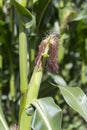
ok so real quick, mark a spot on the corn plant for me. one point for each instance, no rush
(31, 66)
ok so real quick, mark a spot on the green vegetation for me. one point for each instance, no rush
(43, 77)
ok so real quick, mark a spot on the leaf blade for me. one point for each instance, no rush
(27, 19)
(47, 115)
(76, 99)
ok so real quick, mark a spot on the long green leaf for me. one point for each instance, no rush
(3, 123)
(76, 99)
(57, 79)
(23, 2)
(27, 19)
(74, 96)
(41, 8)
(47, 115)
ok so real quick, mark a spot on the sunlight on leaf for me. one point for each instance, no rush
(76, 99)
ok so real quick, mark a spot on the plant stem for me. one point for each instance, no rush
(23, 74)
(12, 82)
(33, 89)
(23, 59)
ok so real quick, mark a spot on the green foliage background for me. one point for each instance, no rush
(66, 18)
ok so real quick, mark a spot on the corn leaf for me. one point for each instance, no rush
(47, 115)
